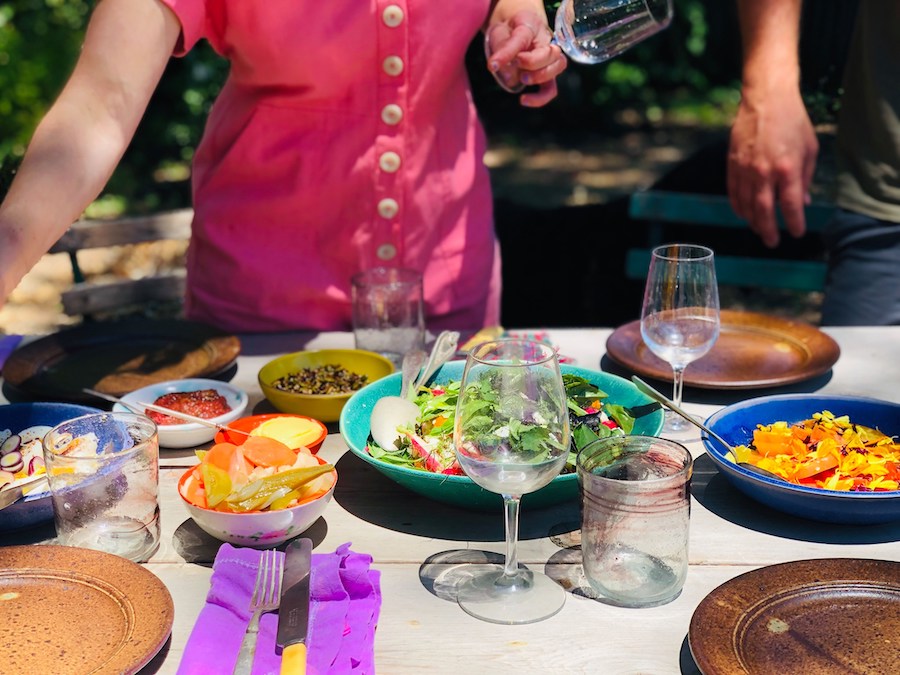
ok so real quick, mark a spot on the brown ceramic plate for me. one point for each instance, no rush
(75, 610)
(839, 615)
(118, 357)
(753, 351)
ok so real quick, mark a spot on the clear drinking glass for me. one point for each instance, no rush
(388, 311)
(591, 31)
(103, 471)
(512, 437)
(680, 314)
(635, 518)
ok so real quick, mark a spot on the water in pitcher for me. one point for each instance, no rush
(593, 31)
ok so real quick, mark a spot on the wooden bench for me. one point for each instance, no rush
(659, 208)
(87, 298)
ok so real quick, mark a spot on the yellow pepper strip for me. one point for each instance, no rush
(257, 492)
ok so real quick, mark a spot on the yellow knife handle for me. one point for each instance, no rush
(293, 659)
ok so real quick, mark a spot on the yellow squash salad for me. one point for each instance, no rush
(825, 452)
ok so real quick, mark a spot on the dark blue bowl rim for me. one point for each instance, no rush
(717, 454)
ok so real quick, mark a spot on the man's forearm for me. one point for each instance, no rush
(770, 33)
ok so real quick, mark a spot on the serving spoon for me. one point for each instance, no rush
(390, 412)
(645, 388)
(10, 495)
(140, 408)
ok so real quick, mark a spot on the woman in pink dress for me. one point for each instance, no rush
(344, 138)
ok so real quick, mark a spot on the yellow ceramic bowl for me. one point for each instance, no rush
(325, 407)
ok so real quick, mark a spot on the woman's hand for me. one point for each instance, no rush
(520, 54)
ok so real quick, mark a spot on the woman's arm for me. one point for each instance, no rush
(82, 137)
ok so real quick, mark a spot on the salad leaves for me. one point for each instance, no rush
(429, 444)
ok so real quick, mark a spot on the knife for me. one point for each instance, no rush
(293, 613)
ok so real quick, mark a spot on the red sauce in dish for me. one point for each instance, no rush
(205, 403)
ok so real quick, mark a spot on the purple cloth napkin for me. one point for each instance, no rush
(345, 598)
(8, 344)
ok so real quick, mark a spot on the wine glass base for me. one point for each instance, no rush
(487, 596)
(679, 429)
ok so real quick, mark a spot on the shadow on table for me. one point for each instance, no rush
(686, 661)
(715, 493)
(442, 572)
(200, 548)
(376, 499)
(157, 662)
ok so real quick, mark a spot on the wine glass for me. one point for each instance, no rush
(590, 31)
(511, 435)
(680, 314)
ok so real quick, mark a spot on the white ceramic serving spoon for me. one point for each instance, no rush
(390, 412)
(13, 493)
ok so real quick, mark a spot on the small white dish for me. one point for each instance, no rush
(189, 434)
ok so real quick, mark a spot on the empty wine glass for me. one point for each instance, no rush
(511, 435)
(590, 31)
(680, 314)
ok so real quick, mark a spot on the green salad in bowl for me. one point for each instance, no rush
(599, 404)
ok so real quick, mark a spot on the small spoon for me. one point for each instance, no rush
(140, 408)
(10, 495)
(656, 396)
(390, 412)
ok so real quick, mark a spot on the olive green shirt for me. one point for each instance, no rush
(868, 137)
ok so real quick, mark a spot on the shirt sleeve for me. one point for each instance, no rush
(192, 16)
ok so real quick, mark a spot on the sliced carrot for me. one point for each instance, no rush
(816, 466)
(263, 451)
(221, 455)
(193, 491)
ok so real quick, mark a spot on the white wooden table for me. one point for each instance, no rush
(417, 543)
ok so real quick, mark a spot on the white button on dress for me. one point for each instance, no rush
(386, 251)
(393, 65)
(391, 114)
(388, 208)
(389, 162)
(392, 16)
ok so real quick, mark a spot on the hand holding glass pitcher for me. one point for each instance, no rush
(588, 31)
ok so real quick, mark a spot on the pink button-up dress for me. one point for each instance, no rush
(344, 138)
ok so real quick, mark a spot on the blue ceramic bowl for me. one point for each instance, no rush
(461, 490)
(736, 423)
(35, 508)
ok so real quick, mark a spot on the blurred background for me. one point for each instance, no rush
(656, 116)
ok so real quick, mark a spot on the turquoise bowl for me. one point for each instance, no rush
(461, 490)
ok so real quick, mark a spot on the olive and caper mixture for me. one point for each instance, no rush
(327, 379)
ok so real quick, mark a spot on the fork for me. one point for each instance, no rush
(266, 597)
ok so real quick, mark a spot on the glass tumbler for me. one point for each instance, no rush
(103, 471)
(388, 312)
(635, 513)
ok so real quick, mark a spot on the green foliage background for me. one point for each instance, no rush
(688, 74)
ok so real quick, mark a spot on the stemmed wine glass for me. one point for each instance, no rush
(680, 314)
(511, 434)
(592, 31)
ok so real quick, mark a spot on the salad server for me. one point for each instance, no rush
(390, 412)
(10, 495)
(140, 408)
(656, 396)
